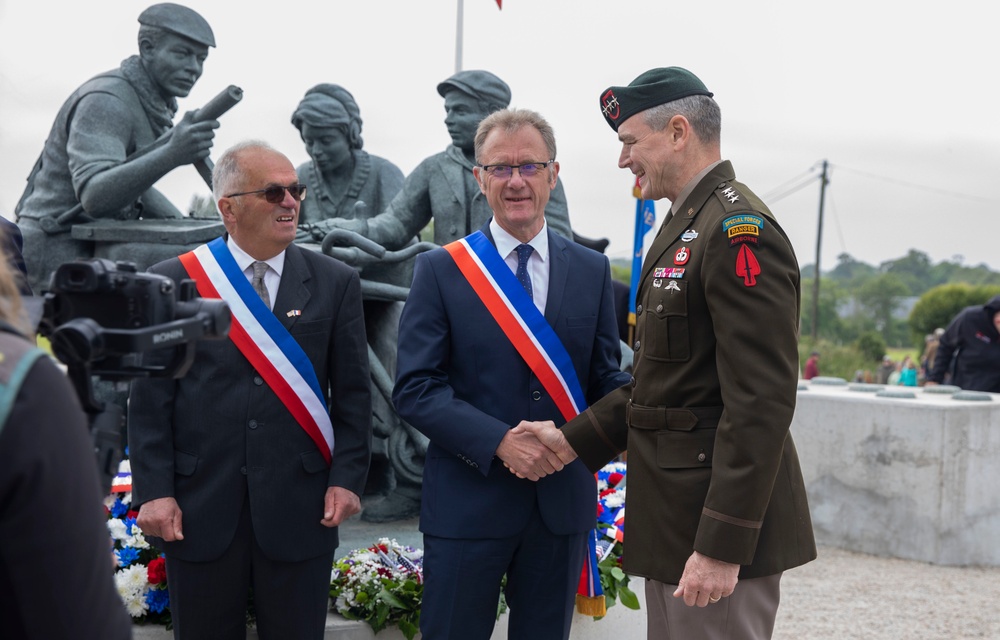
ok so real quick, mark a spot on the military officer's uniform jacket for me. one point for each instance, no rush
(711, 464)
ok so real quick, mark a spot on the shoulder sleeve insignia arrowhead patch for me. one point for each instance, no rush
(747, 266)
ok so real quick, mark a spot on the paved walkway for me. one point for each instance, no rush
(845, 595)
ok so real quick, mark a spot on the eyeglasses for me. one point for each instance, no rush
(504, 171)
(276, 194)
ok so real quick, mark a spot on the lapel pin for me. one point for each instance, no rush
(293, 313)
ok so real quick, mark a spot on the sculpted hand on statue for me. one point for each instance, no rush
(191, 141)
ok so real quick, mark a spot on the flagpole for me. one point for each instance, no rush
(458, 39)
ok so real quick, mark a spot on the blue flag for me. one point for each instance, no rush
(645, 216)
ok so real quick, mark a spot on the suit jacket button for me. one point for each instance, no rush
(243, 470)
(536, 395)
(257, 380)
(702, 457)
(252, 424)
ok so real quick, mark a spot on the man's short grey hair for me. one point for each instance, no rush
(510, 120)
(227, 176)
(701, 111)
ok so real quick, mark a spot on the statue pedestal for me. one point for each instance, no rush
(146, 242)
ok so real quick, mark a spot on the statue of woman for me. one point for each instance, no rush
(340, 173)
(344, 181)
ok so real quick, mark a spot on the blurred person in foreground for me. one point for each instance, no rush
(716, 505)
(245, 467)
(56, 566)
(468, 373)
(969, 349)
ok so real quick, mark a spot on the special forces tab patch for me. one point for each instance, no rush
(743, 228)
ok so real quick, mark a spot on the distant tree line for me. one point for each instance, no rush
(864, 309)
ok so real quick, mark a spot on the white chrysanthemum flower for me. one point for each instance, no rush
(137, 540)
(109, 501)
(132, 584)
(615, 500)
(117, 529)
(125, 466)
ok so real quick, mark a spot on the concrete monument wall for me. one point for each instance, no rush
(914, 478)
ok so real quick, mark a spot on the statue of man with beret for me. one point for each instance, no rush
(717, 506)
(442, 187)
(114, 138)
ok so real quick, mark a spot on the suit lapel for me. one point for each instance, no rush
(558, 273)
(293, 293)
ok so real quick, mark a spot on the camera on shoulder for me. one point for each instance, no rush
(105, 320)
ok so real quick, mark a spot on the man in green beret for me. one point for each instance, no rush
(442, 187)
(717, 508)
(100, 160)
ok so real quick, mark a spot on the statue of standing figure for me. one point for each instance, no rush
(112, 140)
(442, 187)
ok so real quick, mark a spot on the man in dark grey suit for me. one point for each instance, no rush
(246, 466)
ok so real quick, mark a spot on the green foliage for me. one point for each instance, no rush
(937, 307)
(838, 361)
(621, 273)
(614, 581)
(871, 346)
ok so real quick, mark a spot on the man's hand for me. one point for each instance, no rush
(191, 141)
(161, 518)
(706, 580)
(525, 455)
(339, 504)
(550, 435)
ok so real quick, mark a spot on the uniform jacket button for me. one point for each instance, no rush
(252, 424)
(243, 470)
(636, 347)
(257, 380)
(638, 310)
(702, 457)
(536, 395)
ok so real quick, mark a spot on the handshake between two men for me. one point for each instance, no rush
(534, 450)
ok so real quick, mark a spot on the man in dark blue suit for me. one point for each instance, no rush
(481, 349)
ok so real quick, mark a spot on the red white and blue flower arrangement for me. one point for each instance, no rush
(140, 574)
(381, 585)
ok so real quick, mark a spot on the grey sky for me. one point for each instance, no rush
(900, 97)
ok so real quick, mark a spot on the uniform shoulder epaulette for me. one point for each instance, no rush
(731, 199)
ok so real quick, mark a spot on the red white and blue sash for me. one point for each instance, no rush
(263, 340)
(540, 347)
(520, 320)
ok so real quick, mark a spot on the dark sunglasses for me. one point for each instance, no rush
(276, 194)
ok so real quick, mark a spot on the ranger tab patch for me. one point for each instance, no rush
(743, 228)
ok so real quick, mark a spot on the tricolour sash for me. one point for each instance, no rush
(263, 340)
(520, 320)
(540, 347)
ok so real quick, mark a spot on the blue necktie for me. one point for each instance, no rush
(523, 253)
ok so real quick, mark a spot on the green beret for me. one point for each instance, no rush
(179, 20)
(653, 88)
(481, 85)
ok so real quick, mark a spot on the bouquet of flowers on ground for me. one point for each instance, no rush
(382, 585)
(611, 526)
(141, 575)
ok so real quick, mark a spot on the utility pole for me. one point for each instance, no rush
(819, 245)
(458, 38)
